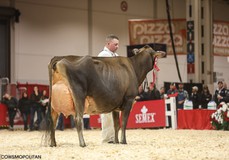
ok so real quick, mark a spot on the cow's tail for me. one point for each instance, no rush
(49, 124)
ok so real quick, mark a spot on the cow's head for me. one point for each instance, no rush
(148, 49)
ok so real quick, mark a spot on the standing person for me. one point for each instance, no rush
(182, 96)
(24, 107)
(195, 97)
(44, 103)
(220, 93)
(109, 50)
(35, 107)
(11, 103)
(206, 97)
(227, 92)
(60, 124)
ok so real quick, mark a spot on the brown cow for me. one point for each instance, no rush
(96, 85)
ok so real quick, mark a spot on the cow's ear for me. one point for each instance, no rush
(135, 51)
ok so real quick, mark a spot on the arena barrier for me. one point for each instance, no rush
(148, 114)
(145, 114)
(171, 112)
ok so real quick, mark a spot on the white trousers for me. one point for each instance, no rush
(108, 132)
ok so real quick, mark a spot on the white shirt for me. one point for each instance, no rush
(107, 53)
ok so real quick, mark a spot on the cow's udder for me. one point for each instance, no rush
(61, 99)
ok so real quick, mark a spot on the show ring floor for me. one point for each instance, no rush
(147, 144)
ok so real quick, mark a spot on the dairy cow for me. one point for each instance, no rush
(95, 85)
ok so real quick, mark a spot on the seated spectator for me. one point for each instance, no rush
(162, 93)
(182, 96)
(154, 92)
(195, 97)
(220, 94)
(172, 92)
(11, 103)
(142, 95)
(24, 107)
(206, 97)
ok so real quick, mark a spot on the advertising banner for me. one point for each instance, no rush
(145, 114)
(221, 38)
(142, 31)
(157, 31)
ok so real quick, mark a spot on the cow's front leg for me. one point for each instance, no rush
(79, 127)
(53, 127)
(116, 125)
(125, 115)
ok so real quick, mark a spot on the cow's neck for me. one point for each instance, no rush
(142, 63)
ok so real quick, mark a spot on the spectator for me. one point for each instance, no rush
(109, 50)
(181, 96)
(154, 92)
(195, 97)
(162, 93)
(225, 85)
(24, 107)
(11, 103)
(227, 92)
(86, 121)
(206, 97)
(172, 92)
(60, 124)
(142, 95)
(220, 94)
(35, 108)
(44, 103)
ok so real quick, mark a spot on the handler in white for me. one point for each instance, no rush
(108, 133)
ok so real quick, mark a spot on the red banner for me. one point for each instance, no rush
(95, 121)
(145, 114)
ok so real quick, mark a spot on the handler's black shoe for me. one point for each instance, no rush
(110, 142)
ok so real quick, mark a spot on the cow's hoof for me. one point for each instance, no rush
(123, 142)
(116, 142)
(82, 145)
(53, 145)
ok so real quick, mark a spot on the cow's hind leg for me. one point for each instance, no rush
(116, 125)
(125, 116)
(53, 127)
(79, 107)
(79, 128)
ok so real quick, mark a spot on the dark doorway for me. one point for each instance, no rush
(4, 48)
